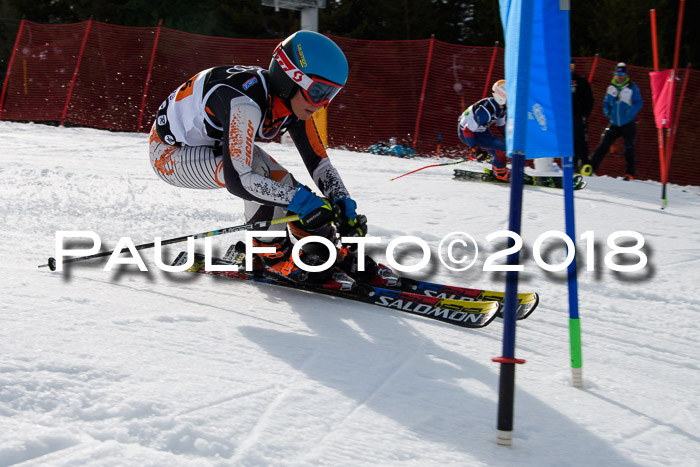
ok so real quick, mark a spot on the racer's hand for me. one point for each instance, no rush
(313, 211)
(348, 222)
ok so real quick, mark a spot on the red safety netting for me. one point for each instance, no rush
(114, 77)
(381, 98)
(42, 67)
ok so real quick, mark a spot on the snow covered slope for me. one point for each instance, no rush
(154, 368)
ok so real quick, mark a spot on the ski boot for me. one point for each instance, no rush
(375, 274)
(501, 173)
(279, 265)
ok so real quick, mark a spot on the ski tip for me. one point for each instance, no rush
(525, 313)
(527, 302)
(496, 313)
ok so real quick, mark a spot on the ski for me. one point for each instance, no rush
(547, 182)
(462, 313)
(527, 302)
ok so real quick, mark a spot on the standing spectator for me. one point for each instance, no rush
(582, 105)
(622, 102)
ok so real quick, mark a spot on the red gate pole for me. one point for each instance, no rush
(422, 92)
(488, 76)
(9, 67)
(148, 77)
(660, 130)
(674, 124)
(75, 73)
(676, 119)
(654, 45)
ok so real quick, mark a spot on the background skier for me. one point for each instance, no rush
(474, 126)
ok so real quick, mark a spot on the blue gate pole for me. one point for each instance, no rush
(506, 386)
(572, 279)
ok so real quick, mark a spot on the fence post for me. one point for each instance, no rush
(422, 92)
(9, 67)
(148, 76)
(75, 73)
(488, 76)
(593, 67)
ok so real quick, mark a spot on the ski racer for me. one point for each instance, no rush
(204, 137)
(474, 130)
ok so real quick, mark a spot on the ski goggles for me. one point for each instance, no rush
(317, 91)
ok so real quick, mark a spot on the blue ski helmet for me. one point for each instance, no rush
(310, 61)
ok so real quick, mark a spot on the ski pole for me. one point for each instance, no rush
(427, 167)
(259, 225)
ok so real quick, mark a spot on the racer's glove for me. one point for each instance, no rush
(313, 211)
(348, 222)
(478, 154)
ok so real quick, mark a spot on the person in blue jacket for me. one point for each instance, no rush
(621, 105)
